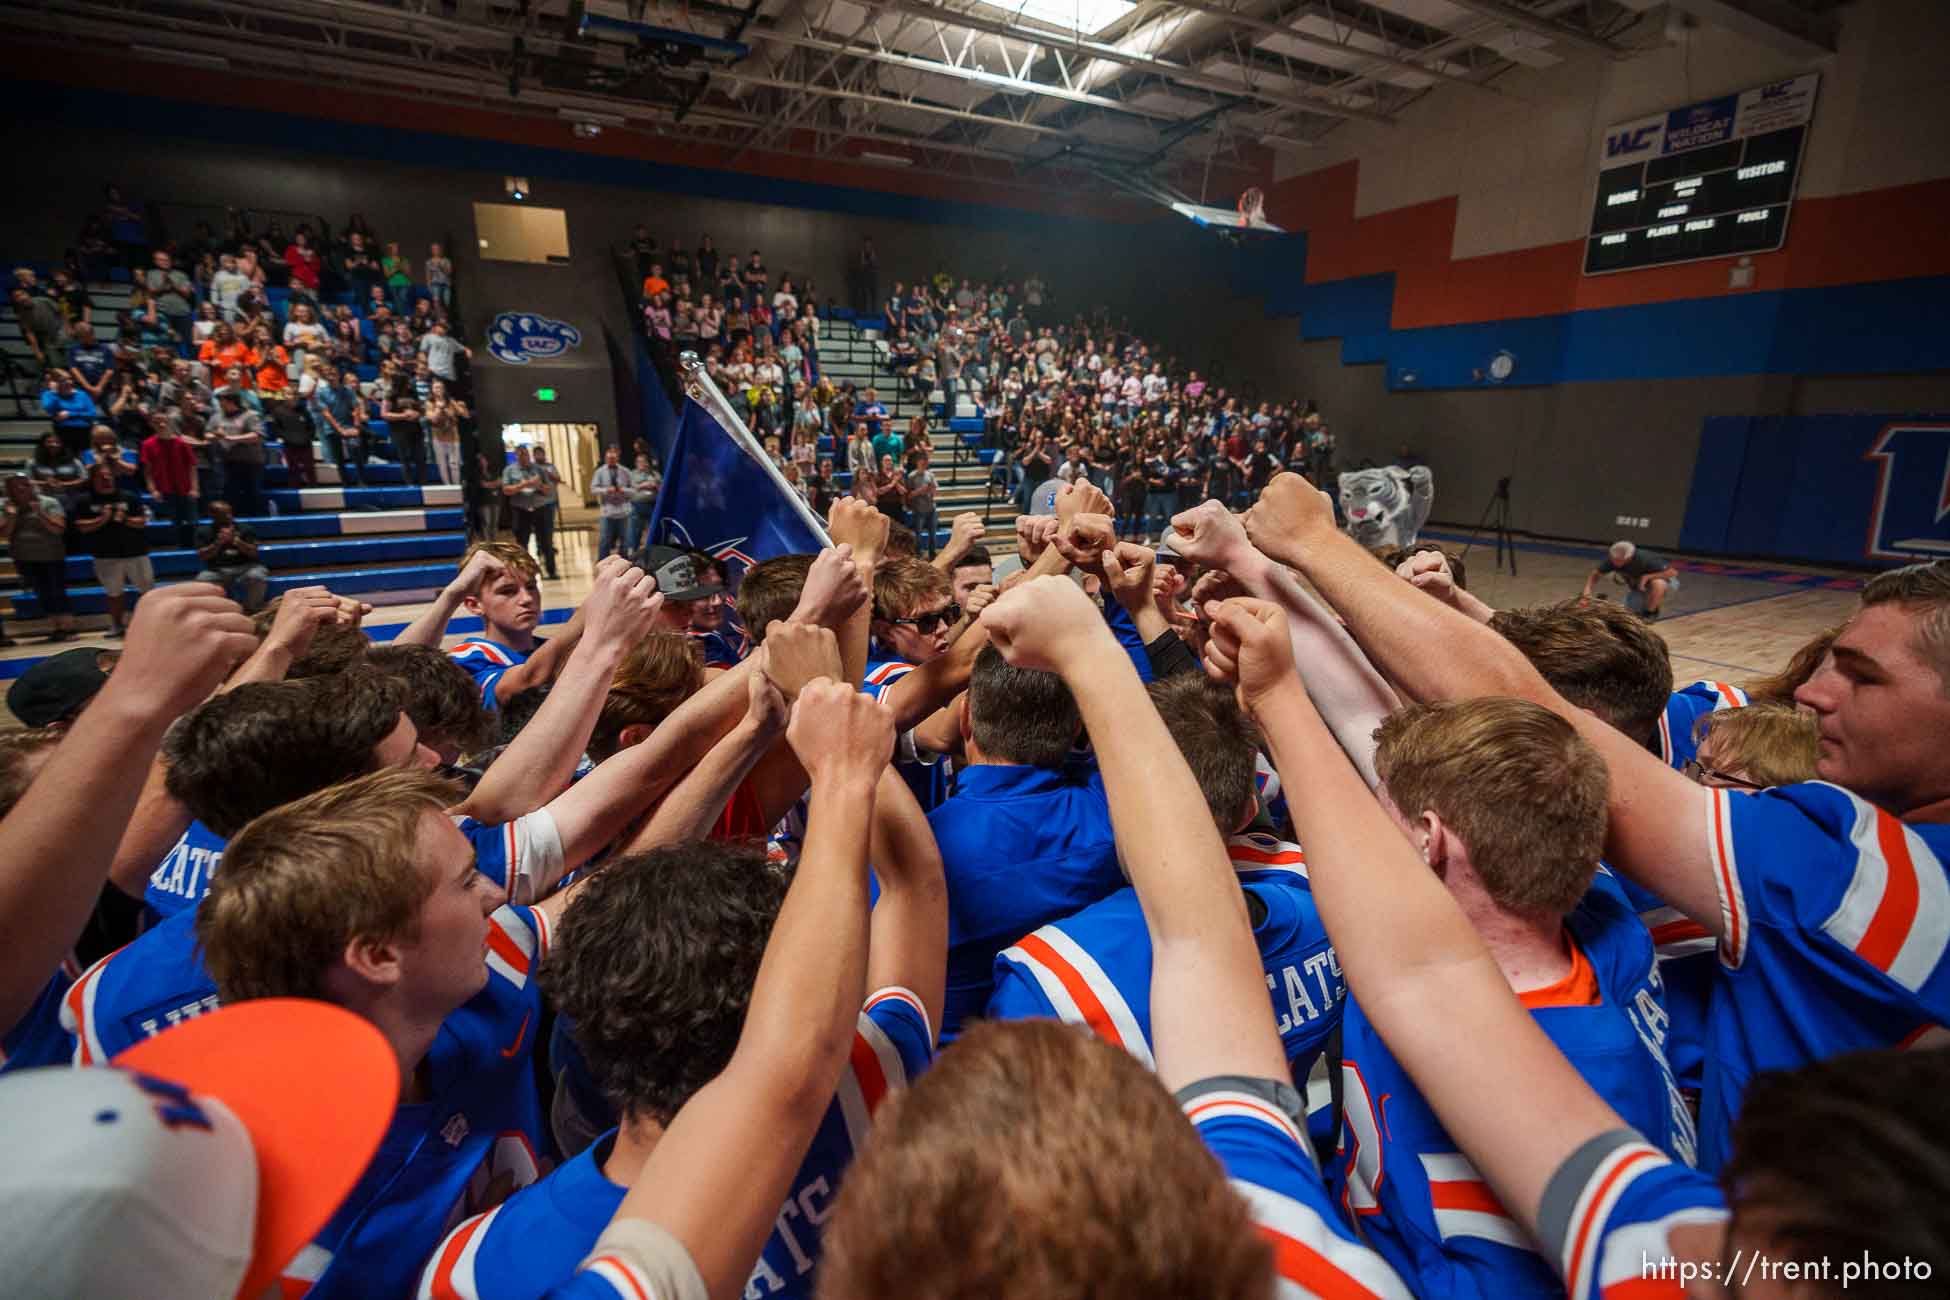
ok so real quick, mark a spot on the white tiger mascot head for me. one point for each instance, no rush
(1388, 506)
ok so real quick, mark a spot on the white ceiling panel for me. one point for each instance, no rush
(1159, 101)
(1354, 45)
(1519, 46)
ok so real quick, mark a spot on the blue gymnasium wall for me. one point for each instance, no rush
(1847, 489)
(1880, 327)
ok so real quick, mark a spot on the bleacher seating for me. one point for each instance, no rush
(384, 536)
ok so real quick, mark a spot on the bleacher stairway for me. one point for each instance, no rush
(385, 540)
(856, 353)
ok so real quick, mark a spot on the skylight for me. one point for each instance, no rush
(1088, 16)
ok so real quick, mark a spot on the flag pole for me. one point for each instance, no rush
(699, 388)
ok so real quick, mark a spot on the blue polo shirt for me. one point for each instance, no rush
(1020, 847)
(76, 408)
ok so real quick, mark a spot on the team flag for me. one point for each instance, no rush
(727, 502)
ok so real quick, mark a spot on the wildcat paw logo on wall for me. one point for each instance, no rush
(519, 337)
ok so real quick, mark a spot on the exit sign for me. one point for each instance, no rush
(544, 394)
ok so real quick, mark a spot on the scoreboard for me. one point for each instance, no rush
(1712, 179)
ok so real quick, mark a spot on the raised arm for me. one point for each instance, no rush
(595, 810)
(1209, 1011)
(909, 943)
(690, 810)
(619, 611)
(718, 1174)
(57, 844)
(1655, 833)
(430, 628)
(1350, 695)
(1421, 972)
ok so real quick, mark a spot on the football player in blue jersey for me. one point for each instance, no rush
(1830, 899)
(57, 843)
(1614, 1215)
(1035, 1160)
(709, 1192)
(655, 965)
(501, 584)
(1093, 967)
(366, 894)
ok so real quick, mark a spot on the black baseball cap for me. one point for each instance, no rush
(676, 575)
(59, 687)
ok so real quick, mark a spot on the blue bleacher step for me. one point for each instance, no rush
(373, 473)
(279, 527)
(297, 500)
(350, 582)
(173, 563)
(967, 424)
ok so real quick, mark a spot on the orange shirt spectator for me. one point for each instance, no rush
(220, 355)
(654, 284)
(272, 369)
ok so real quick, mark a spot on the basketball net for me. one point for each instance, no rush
(1252, 208)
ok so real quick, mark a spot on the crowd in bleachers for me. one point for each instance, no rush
(231, 350)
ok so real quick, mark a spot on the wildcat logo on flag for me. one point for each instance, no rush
(716, 499)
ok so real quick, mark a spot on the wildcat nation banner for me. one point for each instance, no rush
(722, 494)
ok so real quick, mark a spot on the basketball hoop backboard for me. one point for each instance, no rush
(1225, 219)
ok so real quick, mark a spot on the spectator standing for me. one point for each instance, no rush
(302, 259)
(400, 409)
(444, 414)
(487, 526)
(861, 459)
(74, 413)
(442, 352)
(521, 486)
(228, 549)
(398, 269)
(922, 514)
(336, 409)
(228, 287)
(34, 529)
(91, 362)
(113, 524)
(289, 421)
(55, 470)
(169, 469)
(707, 260)
(611, 485)
(237, 436)
(644, 485)
(360, 268)
(439, 270)
(890, 490)
(106, 448)
(41, 325)
(171, 291)
(551, 505)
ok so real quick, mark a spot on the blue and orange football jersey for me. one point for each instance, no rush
(487, 662)
(38, 1037)
(1264, 1149)
(144, 987)
(1608, 1214)
(182, 878)
(1685, 708)
(1093, 968)
(477, 1138)
(1835, 921)
(1419, 1201)
(534, 1242)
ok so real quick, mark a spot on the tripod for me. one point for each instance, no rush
(1497, 515)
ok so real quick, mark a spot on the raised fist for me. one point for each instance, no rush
(1046, 624)
(840, 734)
